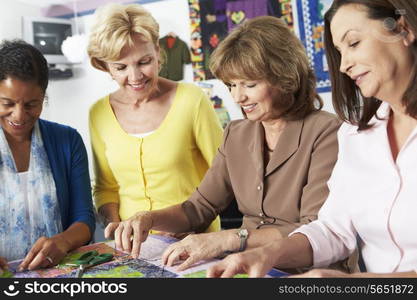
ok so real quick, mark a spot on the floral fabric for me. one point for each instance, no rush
(29, 206)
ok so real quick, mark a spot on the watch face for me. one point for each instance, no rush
(243, 233)
(243, 236)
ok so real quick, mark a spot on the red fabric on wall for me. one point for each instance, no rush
(170, 42)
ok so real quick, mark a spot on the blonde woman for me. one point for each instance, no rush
(153, 139)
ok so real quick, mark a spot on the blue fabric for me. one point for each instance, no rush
(69, 163)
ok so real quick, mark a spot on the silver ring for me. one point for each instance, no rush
(49, 259)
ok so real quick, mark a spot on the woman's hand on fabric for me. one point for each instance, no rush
(131, 233)
(46, 252)
(197, 247)
(255, 262)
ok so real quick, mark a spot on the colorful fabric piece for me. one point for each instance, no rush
(239, 11)
(281, 9)
(213, 29)
(211, 21)
(197, 56)
(29, 206)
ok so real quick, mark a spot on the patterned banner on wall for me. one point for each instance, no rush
(197, 56)
(211, 21)
(310, 20)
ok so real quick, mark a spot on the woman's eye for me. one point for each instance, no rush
(145, 62)
(251, 85)
(31, 105)
(120, 68)
(353, 45)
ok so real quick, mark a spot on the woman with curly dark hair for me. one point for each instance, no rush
(46, 207)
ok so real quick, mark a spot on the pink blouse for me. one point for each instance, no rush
(371, 197)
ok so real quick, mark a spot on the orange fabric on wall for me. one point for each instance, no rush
(170, 42)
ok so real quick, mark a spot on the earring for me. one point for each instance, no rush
(389, 24)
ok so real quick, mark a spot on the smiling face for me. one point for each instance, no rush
(20, 107)
(376, 59)
(136, 71)
(256, 98)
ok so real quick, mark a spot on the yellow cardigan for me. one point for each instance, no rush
(161, 169)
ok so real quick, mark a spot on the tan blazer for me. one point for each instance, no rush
(286, 193)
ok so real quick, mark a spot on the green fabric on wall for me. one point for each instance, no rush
(176, 57)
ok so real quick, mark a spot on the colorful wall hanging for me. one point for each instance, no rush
(310, 19)
(211, 21)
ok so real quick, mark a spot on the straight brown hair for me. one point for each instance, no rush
(347, 99)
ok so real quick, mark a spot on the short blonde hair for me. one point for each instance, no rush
(114, 28)
(264, 48)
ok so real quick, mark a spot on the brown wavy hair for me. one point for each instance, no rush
(264, 48)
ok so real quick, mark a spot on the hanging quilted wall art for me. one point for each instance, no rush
(211, 21)
(310, 29)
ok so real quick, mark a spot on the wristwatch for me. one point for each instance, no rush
(243, 235)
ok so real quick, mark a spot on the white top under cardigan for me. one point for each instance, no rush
(371, 196)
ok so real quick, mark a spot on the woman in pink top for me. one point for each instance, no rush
(372, 53)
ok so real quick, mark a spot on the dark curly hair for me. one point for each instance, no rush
(23, 61)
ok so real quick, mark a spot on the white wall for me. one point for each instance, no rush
(11, 13)
(327, 99)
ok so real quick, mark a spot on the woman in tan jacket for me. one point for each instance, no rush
(371, 48)
(275, 163)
